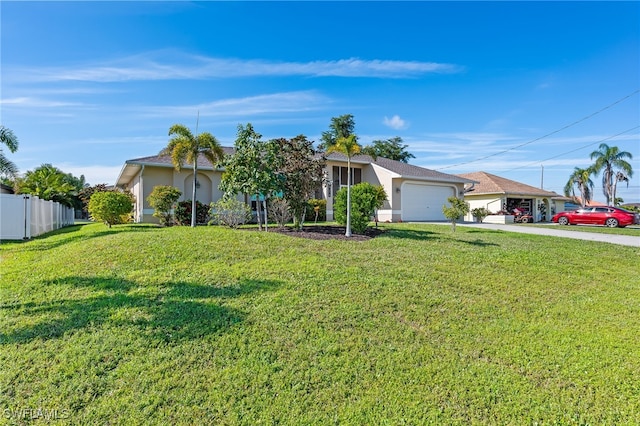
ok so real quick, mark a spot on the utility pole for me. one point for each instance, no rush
(542, 177)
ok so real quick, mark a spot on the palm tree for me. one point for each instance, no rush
(48, 183)
(184, 147)
(7, 138)
(607, 159)
(348, 146)
(582, 179)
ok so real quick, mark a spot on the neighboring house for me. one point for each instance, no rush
(414, 193)
(496, 194)
(5, 189)
(574, 203)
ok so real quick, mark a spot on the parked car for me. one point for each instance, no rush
(612, 217)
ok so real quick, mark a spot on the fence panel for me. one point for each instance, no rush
(26, 216)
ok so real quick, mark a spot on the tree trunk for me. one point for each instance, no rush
(348, 231)
(193, 193)
(266, 219)
(258, 212)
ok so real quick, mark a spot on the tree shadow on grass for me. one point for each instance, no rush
(478, 242)
(183, 311)
(70, 234)
(411, 234)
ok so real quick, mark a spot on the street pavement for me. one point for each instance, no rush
(554, 231)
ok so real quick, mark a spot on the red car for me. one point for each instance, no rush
(612, 217)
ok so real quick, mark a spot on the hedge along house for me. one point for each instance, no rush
(413, 193)
(141, 175)
(496, 194)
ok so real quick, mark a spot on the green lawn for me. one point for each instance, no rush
(143, 325)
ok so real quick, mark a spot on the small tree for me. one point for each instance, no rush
(299, 172)
(111, 207)
(229, 212)
(365, 199)
(162, 199)
(458, 209)
(279, 211)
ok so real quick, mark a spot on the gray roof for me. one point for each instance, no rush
(403, 169)
(165, 160)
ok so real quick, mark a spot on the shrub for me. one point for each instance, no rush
(229, 212)
(479, 213)
(162, 199)
(321, 206)
(279, 211)
(111, 207)
(182, 213)
(365, 199)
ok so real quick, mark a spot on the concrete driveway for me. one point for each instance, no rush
(625, 240)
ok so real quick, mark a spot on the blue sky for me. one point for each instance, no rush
(503, 87)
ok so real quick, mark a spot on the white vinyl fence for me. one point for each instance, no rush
(25, 216)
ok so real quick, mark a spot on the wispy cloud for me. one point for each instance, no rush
(395, 122)
(29, 102)
(276, 103)
(170, 65)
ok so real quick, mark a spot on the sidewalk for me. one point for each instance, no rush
(625, 240)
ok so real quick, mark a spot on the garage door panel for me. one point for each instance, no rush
(422, 202)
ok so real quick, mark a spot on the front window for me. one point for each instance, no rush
(340, 177)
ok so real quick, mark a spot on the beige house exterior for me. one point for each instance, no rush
(141, 175)
(496, 194)
(414, 193)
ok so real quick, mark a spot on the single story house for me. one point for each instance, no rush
(414, 193)
(496, 194)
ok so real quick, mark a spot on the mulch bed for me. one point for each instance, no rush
(324, 232)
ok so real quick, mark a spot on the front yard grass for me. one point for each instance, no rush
(633, 230)
(143, 325)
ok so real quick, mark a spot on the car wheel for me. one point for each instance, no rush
(563, 221)
(611, 223)
(525, 220)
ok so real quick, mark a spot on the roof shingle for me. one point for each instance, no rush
(492, 184)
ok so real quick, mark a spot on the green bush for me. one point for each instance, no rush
(479, 213)
(365, 199)
(182, 213)
(162, 199)
(229, 212)
(111, 207)
(311, 210)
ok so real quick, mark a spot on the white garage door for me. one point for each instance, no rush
(422, 202)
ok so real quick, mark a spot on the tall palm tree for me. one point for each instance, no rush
(184, 147)
(582, 179)
(7, 167)
(607, 160)
(348, 146)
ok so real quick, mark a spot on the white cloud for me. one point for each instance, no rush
(395, 122)
(180, 66)
(275, 103)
